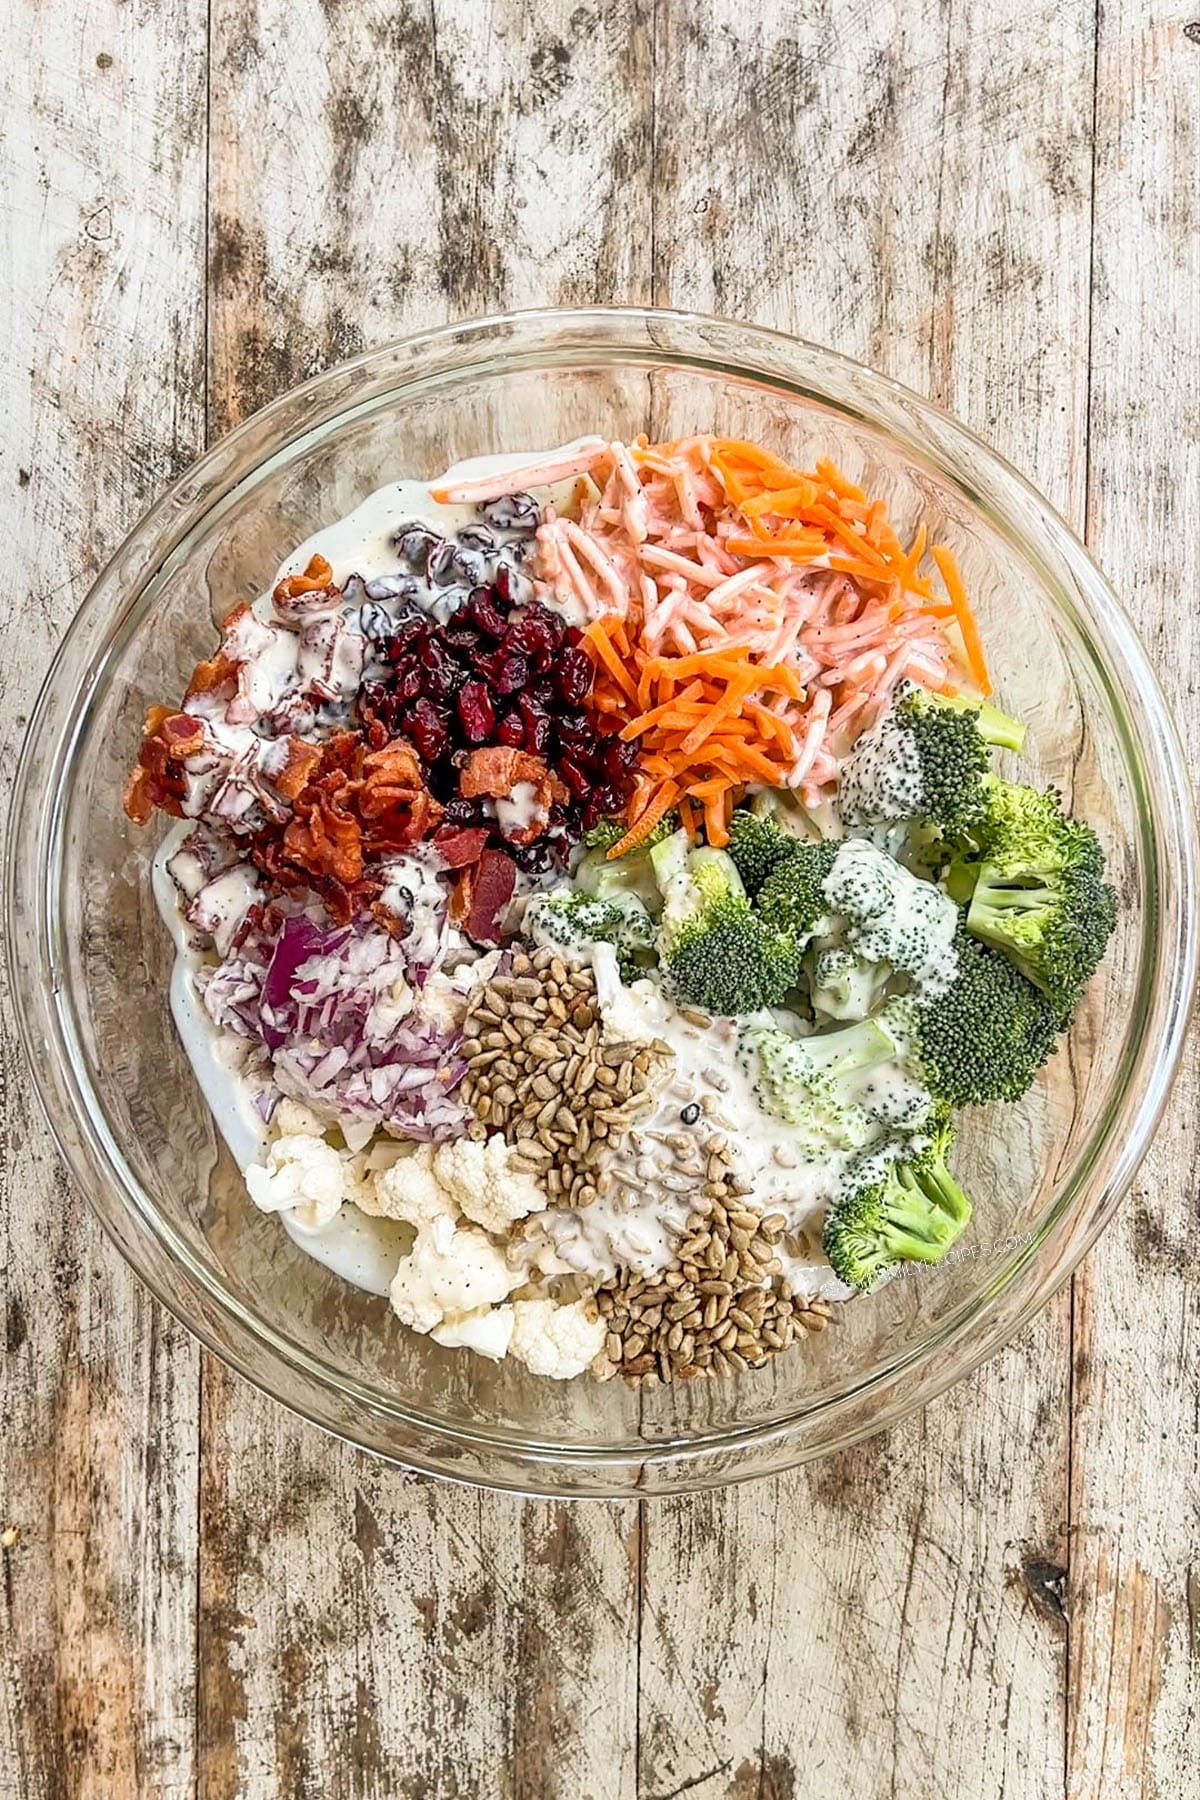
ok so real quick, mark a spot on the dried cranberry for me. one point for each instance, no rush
(536, 721)
(450, 602)
(407, 640)
(415, 542)
(470, 566)
(510, 731)
(537, 632)
(573, 676)
(477, 537)
(513, 512)
(509, 671)
(481, 610)
(577, 735)
(442, 673)
(618, 758)
(391, 587)
(461, 637)
(574, 777)
(476, 712)
(411, 682)
(375, 702)
(507, 581)
(426, 727)
(374, 621)
(460, 812)
(440, 567)
(533, 858)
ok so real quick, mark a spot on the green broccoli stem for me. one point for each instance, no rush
(923, 1213)
(993, 726)
(857, 1046)
(997, 729)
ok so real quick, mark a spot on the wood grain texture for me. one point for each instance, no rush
(372, 1635)
(1134, 1589)
(100, 391)
(894, 1611)
(207, 1598)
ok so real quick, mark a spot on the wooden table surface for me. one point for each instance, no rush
(998, 202)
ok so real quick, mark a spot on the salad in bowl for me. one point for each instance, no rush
(599, 882)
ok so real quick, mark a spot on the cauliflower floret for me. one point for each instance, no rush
(409, 1190)
(292, 1118)
(306, 1177)
(488, 1332)
(481, 1182)
(450, 1271)
(559, 1341)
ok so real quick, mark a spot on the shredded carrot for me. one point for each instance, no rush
(659, 714)
(972, 642)
(638, 833)
(796, 548)
(714, 823)
(597, 636)
(747, 618)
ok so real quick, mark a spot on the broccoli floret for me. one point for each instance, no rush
(987, 1036)
(869, 920)
(925, 760)
(792, 897)
(1037, 889)
(716, 952)
(891, 1212)
(758, 844)
(843, 986)
(839, 1090)
(888, 916)
(568, 919)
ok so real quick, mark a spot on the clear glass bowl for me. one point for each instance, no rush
(90, 959)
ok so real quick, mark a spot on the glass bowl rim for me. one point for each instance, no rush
(1166, 825)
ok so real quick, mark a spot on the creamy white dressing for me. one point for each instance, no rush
(517, 811)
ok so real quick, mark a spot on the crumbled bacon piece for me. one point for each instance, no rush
(159, 779)
(316, 578)
(458, 845)
(138, 801)
(362, 799)
(324, 839)
(219, 674)
(303, 760)
(497, 771)
(482, 894)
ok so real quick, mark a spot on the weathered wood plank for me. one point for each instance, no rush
(1135, 1513)
(100, 378)
(364, 1633)
(446, 161)
(368, 1633)
(913, 191)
